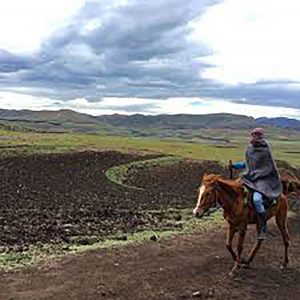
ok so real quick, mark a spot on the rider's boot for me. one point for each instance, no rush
(261, 215)
(262, 221)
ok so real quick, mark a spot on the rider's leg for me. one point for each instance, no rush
(261, 213)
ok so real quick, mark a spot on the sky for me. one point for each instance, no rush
(151, 57)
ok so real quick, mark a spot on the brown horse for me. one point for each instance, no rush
(230, 195)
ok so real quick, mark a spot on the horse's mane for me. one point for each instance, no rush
(235, 184)
(290, 183)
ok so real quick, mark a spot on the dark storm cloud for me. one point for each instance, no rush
(262, 93)
(13, 63)
(135, 50)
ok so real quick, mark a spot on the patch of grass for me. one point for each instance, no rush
(190, 225)
(36, 254)
(123, 240)
(194, 225)
(15, 259)
(119, 174)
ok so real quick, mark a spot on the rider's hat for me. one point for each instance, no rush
(258, 131)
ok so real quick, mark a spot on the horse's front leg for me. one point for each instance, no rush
(254, 250)
(230, 235)
(238, 261)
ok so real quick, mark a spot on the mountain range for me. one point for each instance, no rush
(136, 125)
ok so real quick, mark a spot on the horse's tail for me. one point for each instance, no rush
(290, 184)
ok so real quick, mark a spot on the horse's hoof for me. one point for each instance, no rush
(245, 265)
(234, 275)
(231, 274)
(283, 267)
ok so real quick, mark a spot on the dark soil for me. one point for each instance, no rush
(181, 178)
(54, 198)
(50, 198)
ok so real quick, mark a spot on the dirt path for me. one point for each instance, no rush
(170, 269)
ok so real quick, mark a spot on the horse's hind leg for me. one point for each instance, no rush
(281, 220)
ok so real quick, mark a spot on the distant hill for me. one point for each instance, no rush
(281, 122)
(179, 125)
(51, 121)
(59, 116)
(180, 121)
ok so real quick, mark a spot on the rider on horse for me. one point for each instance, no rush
(261, 177)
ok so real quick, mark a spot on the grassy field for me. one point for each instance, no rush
(284, 147)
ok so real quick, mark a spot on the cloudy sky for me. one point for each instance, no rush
(151, 57)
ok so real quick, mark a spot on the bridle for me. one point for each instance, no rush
(214, 204)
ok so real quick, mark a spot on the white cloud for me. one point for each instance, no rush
(111, 105)
(24, 25)
(252, 40)
(11, 100)
(90, 26)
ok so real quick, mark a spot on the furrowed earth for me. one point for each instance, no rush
(67, 198)
(60, 197)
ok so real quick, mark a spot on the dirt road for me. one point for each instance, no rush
(170, 269)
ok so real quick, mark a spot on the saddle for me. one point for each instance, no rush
(248, 199)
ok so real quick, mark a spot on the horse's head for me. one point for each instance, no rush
(207, 197)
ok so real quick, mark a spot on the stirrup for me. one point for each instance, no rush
(262, 236)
